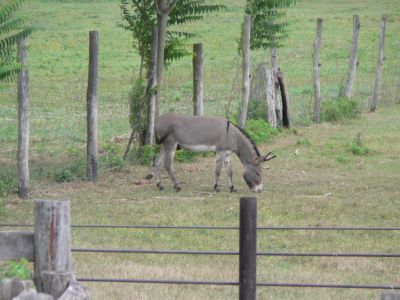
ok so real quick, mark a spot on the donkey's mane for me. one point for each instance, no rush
(247, 136)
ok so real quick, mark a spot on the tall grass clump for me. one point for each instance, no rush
(8, 183)
(338, 110)
(16, 269)
(260, 131)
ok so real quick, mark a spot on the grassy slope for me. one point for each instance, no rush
(362, 190)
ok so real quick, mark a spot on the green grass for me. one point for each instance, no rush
(316, 180)
(312, 188)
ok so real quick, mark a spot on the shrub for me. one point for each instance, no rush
(257, 110)
(148, 153)
(64, 175)
(260, 131)
(339, 110)
(8, 183)
(303, 142)
(112, 159)
(185, 156)
(357, 147)
(16, 269)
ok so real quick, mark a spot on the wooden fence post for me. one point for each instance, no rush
(52, 242)
(152, 88)
(278, 102)
(23, 123)
(198, 95)
(91, 97)
(248, 248)
(245, 71)
(316, 67)
(271, 98)
(353, 60)
(379, 67)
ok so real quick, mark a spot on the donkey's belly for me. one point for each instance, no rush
(198, 148)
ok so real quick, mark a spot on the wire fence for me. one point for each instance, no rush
(230, 253)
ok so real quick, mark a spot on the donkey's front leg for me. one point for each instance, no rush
(228, 166)
(157, 167)
(219, 160)
(169, 160)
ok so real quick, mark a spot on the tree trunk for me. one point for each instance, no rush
(198, 58)
(152, 82)
(381, 58)
(353, 60)
(164, 8)
(316, 67)
(23, 124)
(245, 71)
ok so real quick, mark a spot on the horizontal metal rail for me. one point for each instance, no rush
(235, 283)
(219, 227)
(195, 252)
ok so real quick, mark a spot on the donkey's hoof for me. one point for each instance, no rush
(217, 188)
(160, 187)
(232, 189)
(177, 188)
(149, 176)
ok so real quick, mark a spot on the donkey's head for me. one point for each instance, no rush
(252, 174)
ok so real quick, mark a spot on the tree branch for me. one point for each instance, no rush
(171, 6)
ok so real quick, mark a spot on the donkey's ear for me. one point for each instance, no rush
(263, 158)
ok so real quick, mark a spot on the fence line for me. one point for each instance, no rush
(250, 288)
(278, 228)
(195, 252)
(235, 283)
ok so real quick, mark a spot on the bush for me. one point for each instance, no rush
(357, 147)
(260, 131)
(339, 110)
(185, 156)
(148, 153)
(8, 183)
(112, 159)
(64, 175)
(16, 269)
(257, 110)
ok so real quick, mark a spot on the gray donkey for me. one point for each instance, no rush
(197, 133)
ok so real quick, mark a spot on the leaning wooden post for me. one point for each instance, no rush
(198, 59)
(379, 67)
(23, 123)
(248, 248)
(93, 79)
(152, 88)
(52, 243)
(316, 67)
(245, 71)
(353, 60)
(285, 100)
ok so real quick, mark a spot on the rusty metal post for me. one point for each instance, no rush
(248, 248)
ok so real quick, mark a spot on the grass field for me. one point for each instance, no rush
(324, 185)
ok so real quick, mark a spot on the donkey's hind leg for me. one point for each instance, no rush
(219, 159)
(169, 165)
(157, 167)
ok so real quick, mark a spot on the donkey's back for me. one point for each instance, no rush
(196, 133)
